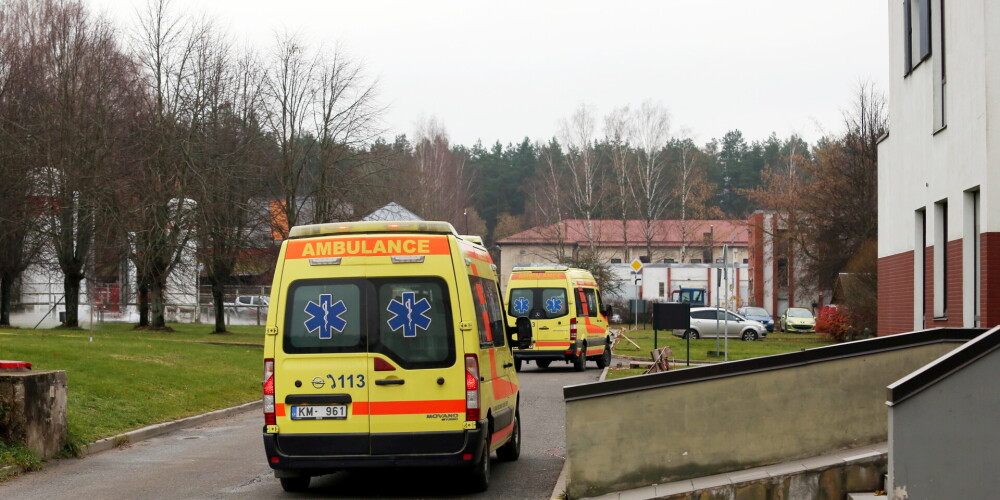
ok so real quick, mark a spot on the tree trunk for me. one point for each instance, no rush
(143, 296)
(6, 286)
(220, 311)
(157, 303)
(71, 287)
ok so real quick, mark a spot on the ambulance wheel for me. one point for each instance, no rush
(512, 449)
(580, 363)
(479, 477)
(605, 359)
(543, 363)
(517, 364)
(293, 484)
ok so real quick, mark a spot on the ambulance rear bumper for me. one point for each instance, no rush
(399, 450)
(569, 353)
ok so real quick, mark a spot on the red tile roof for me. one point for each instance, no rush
(666, 233)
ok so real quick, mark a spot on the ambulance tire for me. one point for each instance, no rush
(479, 476)
(511, 450)
(517, 364)
(295, 484)
(580, 363)
(543, 363)
(605, 359)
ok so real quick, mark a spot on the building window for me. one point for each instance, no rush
(616, 261)
(917, 33)
(696, 261)
(782, 276)
(746, 261)
(940, 70)
(668, 261)
(644, 259)
(919, 268)
(941, 259)
(661, 289)
(970, 260)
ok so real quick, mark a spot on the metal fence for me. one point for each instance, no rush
(43, 304)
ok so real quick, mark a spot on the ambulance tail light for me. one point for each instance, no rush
(572, 329)
(471, 387)
(269, 417)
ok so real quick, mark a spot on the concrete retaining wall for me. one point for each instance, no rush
(721, 424)
(942, 439)
(33, 410)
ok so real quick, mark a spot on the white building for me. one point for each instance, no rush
(939, 232)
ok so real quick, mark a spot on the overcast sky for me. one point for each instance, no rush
(506, 69)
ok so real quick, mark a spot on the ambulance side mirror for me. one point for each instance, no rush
(523, 330)
(608, 311)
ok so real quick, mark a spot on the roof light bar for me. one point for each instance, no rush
(407, 259)
(433, 227)
(325, 261)
(541, 267)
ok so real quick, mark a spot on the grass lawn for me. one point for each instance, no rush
(119, 379)
(776, 343)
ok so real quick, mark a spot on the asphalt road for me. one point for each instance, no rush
(225, 459)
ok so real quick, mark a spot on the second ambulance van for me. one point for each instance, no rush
(387, 346)
(567, 313)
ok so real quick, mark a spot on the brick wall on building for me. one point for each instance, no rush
(895, 294)
(989, 252)
(953, 302)
(895, 288)
(757, 260)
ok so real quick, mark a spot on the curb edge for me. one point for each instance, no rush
(154, 430)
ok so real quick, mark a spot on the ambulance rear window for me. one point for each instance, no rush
(586, 302)
(407, 319)
(537, 303)
(324, 316)
(414, 322)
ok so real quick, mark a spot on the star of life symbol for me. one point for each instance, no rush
(554, 305)
(521, 305)
(325, 316)
(409, 314)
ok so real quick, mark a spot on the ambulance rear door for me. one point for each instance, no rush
(322, 376)
(417, 372)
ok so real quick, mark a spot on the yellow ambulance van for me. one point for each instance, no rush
(387, 346)
(567, 314)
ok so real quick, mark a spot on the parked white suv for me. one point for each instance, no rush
(709, 322)
(250, 305)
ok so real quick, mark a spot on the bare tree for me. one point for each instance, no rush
(440, 186)
(578, 134)
(86, 93)
(290, 94)
(18, 238)
(322, 111)
(160, 217)
(616, 130)
(345, 122)
(550, 202)
(829, 205)
(651, 131)
(688, 179)
(227, 154)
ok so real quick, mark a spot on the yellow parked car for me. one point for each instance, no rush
(797, 319)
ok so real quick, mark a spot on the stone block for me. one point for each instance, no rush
(33, 410)
(864, 477)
